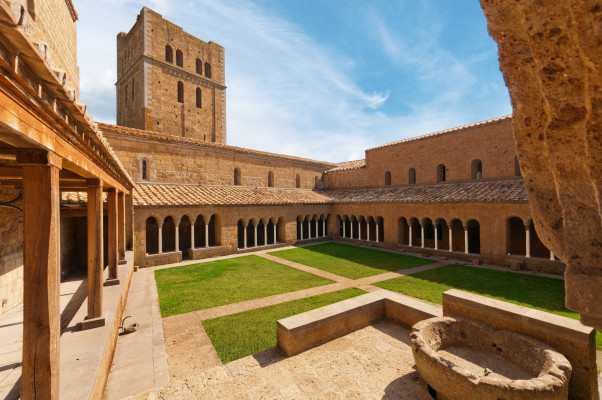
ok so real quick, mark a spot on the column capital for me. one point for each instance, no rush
(39, 157)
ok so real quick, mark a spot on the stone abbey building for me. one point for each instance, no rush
(162, 185)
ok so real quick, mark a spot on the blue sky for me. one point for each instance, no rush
(322, 79)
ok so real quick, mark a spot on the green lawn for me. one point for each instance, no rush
(239, 335)
(537, 292)
(216, 283)
(350, 261)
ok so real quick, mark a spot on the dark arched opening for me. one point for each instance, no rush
(179, 58)
(199, 67)
(411, 176)
(169, 235)
(403, 230)
(474, 237)
(208, 70)
(380, 226)
(270, 179)
(241, 234)
(180, 92)
(184, 236)
(388, 178)
(538, 249)
(476, 169)
(441, 173)
(168, 54)
(237, 177)
(416, 232)
(152, 236)
(515, 237)
(457, 235)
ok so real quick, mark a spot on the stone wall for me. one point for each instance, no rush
(195, 164)
(11, 253)
(346, 179)
(491, 142)
(147, 87)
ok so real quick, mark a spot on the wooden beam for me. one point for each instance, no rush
(95, 249)
(41, 278)
(11, 172)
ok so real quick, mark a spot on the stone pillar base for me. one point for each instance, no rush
(111, 282)
(92, 323)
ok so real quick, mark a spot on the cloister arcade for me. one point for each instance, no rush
(361, 228)
(255, 232)
(522, 240)
(312, 226)
(180, 234)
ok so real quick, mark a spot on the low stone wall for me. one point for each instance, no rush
(574, 340)
(152, 260)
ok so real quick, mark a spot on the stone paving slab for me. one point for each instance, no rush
(140, 361)
(372, 363)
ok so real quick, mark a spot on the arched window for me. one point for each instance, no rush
(476, 169)
(199, 102)
(168, 54)
(298, 181)
(440, 173)
(412, 176)
(208, 70)
(237, 177)
(388, 178)
(180, 92)
(270, 179)
(199, 67)
(144, 173)
(179, 58)
(517, 167)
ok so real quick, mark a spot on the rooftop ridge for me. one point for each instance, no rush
(348, 165)
(445, 132)
(162, 136)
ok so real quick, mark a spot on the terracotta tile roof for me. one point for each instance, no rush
(503, 190)
(508, 190)
(178, 139)
(192, 195)
(77, 199)
(347, 165)
(447, 131)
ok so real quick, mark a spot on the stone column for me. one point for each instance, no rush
(359, 228)
(421, 236)
(95, 248)
(254, 235)
(301, 238)
(410, 235)
(41, 276)
(450, 238)
(206, 234)
(316, 221)
(112, 235)
(377, 232)
(552, 258)
(466, 239)
(344, 234)
(527, 241)
(177, 236)
(160, 223)
(367, 231)
(351, 225)
(324, 227)
(121, 225)
(275, 233)
(192, 236)
(265, 234)
(436, 239)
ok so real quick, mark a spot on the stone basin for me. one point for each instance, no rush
(452, 355)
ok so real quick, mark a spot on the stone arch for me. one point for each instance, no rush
(270, 179)
(457, 235)
(429, 233)
(152, 236)
(476, 169)
(441, 173)
(237, 177)
(179, 58)
(270, 238)
(380, 229)
(281, 230)
(261, 238)
(306, 227)
(474, 236)
(199, 66)
(199, 231)
(251, 232)
(168, 54)
(363, 228)
(415, 236)
(208, 70)
(388, 178)
(168, 233)
(180, 92)
(516, 234)
(403, 230)
(412, 176)
(184, 228)
(215, 230)
(442, 234)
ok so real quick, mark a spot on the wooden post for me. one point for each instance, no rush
(113, 235)
(41, 275)
(95, 248)
(121, 225)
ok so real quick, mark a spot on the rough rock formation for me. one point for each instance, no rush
(550, 55)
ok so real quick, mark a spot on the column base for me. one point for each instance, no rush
(123, 262)
(111, 282)
(92, 323)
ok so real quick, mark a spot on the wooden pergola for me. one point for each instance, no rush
(48, 145)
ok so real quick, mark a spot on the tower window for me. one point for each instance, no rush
(144, 174)
(388, 178)
(198, 98)
(297, 181)
(270, 179)
(208, 70)
(476, 169)
(412, 176)
(180, 92)
(237, 177)
(440, 173)
(199, 67)
(179, 58)
(168, 54)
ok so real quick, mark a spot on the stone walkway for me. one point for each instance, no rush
(372, 363)
(140, 361)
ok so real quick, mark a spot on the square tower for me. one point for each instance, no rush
(169, 81)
